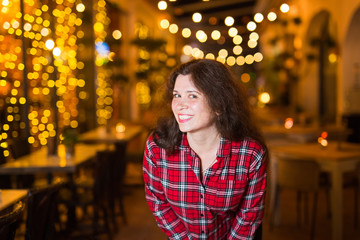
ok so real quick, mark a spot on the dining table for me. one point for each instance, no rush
(119, 136)
(9, 197)
(40, 161)
(304, 133)
(336, 158)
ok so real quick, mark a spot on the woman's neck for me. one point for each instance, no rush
(204, 141)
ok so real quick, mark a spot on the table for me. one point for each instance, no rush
(40, 162)
(335, 159)
(303, 134)
(111, 136)
(11, 196)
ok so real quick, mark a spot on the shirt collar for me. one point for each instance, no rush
(223, 151)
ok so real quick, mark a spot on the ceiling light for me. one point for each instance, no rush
(229, 21)
(162, 5)
(196, 17)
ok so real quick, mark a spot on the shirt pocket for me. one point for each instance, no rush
(228, 196)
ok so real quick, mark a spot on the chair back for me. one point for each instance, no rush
(42, 212)
(298, 174)
(5, 180)
(9, 222)
(19, 147)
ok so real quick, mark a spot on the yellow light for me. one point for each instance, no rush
(120, 128)
(215, 34)
(284, 8)
(223, 53)
(251, 26)
(332, 58)
(229, 21)
(323, 142)
(271, 16)
(187, 49)
(5, 3)
(237, 39)
(196, 17)
(210, 56)
(254, 36)
(56, 51)
(258, 17)
(6, 127)
(173, 28)
(233, 32)
(45, 32)
(252, 43)
(231, 61)
(240, 60)
(116, 34)
(22, 100)
(6, 25)
(201, 36)
(186, 32)
(258, 57)
(237, 50)
(74, 124)
(221, 59)
(164, 23)
(80, 7)
(98, 27)
(6, 153)
(162, 5)
(289, 123)
(264, 97)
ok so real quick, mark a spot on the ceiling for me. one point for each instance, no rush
(182, 10)
(213, 14)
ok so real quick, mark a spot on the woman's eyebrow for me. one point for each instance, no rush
(189, 91)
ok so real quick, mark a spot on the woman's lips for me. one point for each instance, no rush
(184, 118)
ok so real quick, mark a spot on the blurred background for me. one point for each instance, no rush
(85, 64)
(81, 64)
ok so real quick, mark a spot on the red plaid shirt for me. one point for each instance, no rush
(228, 203)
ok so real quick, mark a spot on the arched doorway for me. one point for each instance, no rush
(321, 50)
(351, 66)
(351, 78)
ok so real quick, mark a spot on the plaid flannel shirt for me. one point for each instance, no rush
(228, 203)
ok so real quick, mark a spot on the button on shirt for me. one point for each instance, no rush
(227, 203)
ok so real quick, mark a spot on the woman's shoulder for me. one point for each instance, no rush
(248, 143)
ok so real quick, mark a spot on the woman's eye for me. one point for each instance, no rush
(175, 95)
(193, 96)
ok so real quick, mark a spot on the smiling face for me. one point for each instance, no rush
(190, 107)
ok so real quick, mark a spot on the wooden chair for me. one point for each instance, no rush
(10, 221)
(89, 192)
(42, 212)
(5, 180)
(117, 173)
(19, 147)
(302, 176)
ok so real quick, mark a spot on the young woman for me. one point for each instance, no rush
(205, 164)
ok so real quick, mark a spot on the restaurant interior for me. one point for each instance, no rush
(82, 86)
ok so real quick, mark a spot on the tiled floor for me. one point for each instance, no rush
(141, 224)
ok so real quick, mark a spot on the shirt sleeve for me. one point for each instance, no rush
(251, 209)
(166, 218)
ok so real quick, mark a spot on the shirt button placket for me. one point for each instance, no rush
(202, 215)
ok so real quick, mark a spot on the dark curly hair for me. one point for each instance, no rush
(225, 97)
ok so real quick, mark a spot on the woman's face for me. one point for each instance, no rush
(190, 107)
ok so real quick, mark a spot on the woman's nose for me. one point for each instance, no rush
(182, 104)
